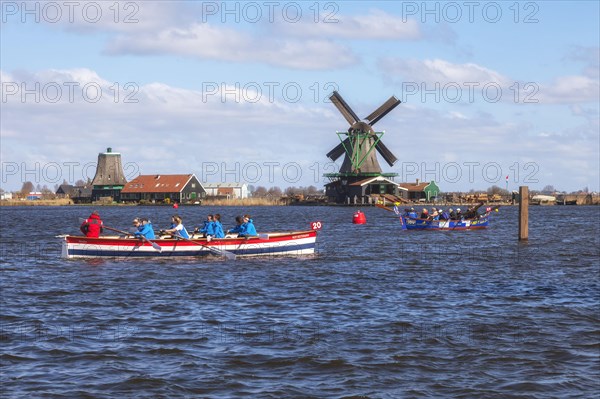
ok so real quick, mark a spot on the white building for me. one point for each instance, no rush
(227, 190)
(6, 196)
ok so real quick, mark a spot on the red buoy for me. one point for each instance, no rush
(175, 205)
(359, 218)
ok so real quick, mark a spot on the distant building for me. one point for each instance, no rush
(421, 190)
(34, 195)
(226, 190)
(79, 194)
(6, 196)
(110, 178)
(64, 191)
(378, 185)
(164, 188)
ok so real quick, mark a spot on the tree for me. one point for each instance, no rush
(259, 192)
(312, 190)
(27, 188)
(497, 190)
(549, 189)
(80, 183)
(47, 193)
(274, 192)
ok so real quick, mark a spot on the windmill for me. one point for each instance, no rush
(360, 145)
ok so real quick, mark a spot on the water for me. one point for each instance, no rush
(377, 313)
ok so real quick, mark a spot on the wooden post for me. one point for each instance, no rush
(523, 213)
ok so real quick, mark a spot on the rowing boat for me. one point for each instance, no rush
(480, 222)
(271, 244)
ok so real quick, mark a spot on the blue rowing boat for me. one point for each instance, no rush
(480, 222)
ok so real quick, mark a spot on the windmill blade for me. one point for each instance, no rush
(386, 153)
(383, 110)
(344, 108)
(338, 150)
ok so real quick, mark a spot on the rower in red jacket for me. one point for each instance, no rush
(92, 226)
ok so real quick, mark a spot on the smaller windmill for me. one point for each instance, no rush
(360, 145)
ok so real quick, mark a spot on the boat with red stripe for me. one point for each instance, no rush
(267, 244)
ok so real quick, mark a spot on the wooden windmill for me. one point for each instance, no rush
(360, 145)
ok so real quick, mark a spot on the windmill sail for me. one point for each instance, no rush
(362, 143)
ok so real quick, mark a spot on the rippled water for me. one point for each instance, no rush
(378, 312)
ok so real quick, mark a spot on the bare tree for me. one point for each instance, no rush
(259, 192)
(549, 189)
(275, 192)
(27, 188)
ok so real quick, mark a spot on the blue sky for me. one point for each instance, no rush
(236, 91)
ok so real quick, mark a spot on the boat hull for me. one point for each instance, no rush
(444, 225)
(274, 244)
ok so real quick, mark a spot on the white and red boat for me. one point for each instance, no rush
(285, 244)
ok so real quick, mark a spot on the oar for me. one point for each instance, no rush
(154, 245)
(384, 207)
(222, 252)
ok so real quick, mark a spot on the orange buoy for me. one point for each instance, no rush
(359, 218)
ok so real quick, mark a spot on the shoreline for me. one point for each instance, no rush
(68, 202)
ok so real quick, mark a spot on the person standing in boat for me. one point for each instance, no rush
(144, 228)
(179, 230)
(92, 226)
(218, 226)
(472, 213)
(248, 229)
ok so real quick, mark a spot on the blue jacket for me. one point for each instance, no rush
(237, 229)
(146, 230)
(248, 229)
(218, 228)
(413, 215)
(208, 228)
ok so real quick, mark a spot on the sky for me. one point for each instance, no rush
(493, 93)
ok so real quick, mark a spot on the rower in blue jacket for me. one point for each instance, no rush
(209, 227)
(145, 229)
(218, 227)
(248, 228)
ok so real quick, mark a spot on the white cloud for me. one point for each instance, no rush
(177, 130)
(569, 90)
(169, 129)
(439, 71)
(374, 25)
(209, 42)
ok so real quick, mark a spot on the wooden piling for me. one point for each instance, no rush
(523, 213)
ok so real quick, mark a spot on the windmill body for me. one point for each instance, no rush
(360, 145)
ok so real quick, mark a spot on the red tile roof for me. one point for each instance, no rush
(157, 184)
